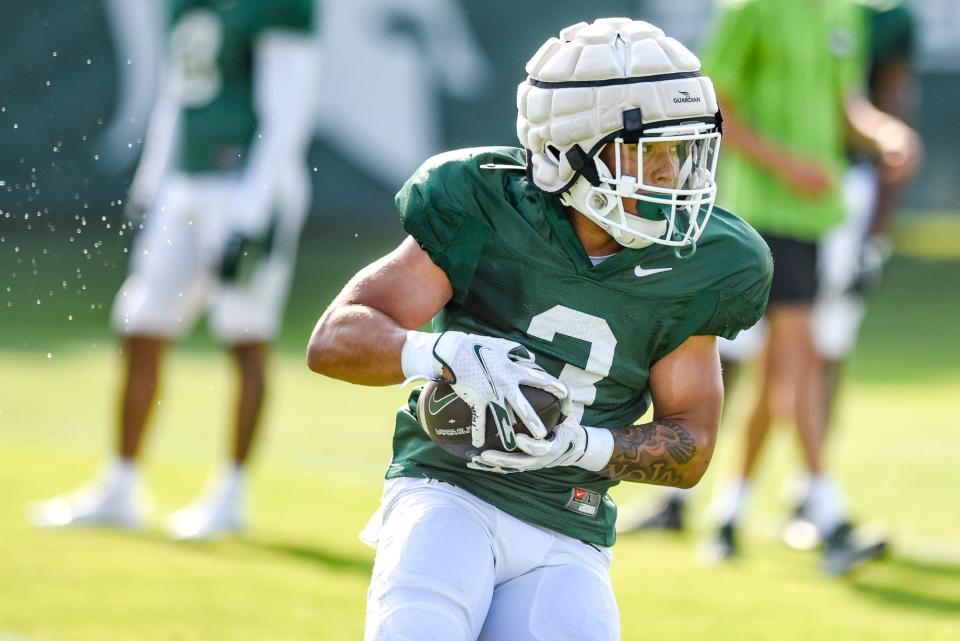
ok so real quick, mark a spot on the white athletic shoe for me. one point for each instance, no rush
(209, 518)
(800, 532)
(96, 504)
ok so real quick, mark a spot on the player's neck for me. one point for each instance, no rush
(595, 241)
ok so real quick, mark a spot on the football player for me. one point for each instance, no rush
(850, 259)
(591, 263)
(225, 188)
(784, 176)
(853, 254)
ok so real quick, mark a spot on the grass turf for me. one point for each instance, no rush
(300, 572)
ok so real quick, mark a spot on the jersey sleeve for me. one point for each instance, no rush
(451, 236)
(289, 15)
(728, 56)
(742, 301)
(892, 35)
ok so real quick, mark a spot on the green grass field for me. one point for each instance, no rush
(300, 572)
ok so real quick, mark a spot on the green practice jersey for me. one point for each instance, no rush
(788, 66)
(892, 31)
(211, 51)
(519, 272)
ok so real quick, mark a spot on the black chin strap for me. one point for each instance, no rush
(581, 163)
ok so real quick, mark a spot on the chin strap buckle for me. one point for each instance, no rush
(583, 164)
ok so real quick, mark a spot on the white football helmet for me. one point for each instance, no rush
(623, 82)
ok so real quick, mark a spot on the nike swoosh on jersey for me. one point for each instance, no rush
(436, 405)
(640, 272)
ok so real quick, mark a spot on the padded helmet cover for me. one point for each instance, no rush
(580, 84)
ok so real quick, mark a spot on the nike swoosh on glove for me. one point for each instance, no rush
(487, 372)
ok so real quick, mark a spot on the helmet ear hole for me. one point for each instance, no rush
(598, 201)
(553, 151)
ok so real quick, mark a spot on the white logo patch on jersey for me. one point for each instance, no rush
(640, 272)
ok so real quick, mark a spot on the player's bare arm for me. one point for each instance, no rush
(366, 337)
(893, 91)
(896, 145)
(676, 447)
(360, 336)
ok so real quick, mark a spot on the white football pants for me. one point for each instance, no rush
(451, 567)
(173, 270)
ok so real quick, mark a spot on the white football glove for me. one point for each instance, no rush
(484, 372)
(570, 444)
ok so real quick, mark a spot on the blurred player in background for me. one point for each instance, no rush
(592, 264)
(225, 188)
(850, 258)
(791, 76)
(853, 254)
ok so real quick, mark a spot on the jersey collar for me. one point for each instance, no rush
(626, 258)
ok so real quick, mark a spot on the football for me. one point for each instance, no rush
(447, 419)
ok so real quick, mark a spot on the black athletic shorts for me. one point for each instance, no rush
(794, 269)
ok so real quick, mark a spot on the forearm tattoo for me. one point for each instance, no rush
(655, 453)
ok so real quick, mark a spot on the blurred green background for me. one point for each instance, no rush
(300, 572)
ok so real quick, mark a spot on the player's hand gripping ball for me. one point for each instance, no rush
(447, 419)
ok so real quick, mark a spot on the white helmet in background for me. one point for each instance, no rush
(621, 81)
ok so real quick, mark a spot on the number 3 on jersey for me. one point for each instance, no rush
(195, 44)
(591, 329)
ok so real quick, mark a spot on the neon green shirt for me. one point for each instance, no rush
(788, 66)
